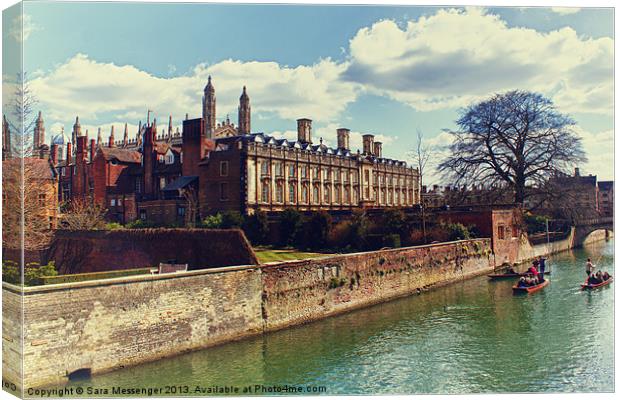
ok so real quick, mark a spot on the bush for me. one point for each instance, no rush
(212, 221)
(231, 220)
(256, 228)
(393, 221)
(10, 272)
(416, 237)
(391, 240)
(535, 223)
(456, 232)
(32, 274)
(113, 226)
(315, 230)
(290, 226)
(140, 224)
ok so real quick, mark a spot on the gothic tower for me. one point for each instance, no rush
(208, 108)
(244, 113)
(111, 138)
(77, 131)
(38, 136)
(6, 139)
(125, 136)
(99, 140)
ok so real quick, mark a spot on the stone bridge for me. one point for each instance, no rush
(584, 227)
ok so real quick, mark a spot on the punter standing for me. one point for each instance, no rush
(541, 268)
(589, 267)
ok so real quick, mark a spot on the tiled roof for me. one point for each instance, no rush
(122, 155)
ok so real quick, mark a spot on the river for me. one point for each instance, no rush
(469, 337)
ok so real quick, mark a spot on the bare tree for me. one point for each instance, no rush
(22, 118)
(29, 203)
(191, 212)
(517, 139)
(82, 214)
(421, 155)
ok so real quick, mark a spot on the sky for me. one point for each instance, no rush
(389, 71)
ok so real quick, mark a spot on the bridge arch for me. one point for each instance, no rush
(583, 228)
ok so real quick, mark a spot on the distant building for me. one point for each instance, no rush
(170, 177)
(606, 198)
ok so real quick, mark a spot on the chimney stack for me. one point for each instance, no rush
(304, 130)
(368, 142)
(343, 138)
(93, 147)
(54, 154)
(69, 152)
(378, 149)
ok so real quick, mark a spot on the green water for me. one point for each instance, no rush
(474, 336)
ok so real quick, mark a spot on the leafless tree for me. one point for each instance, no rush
(517, 139)
(22, 117)
(421, 155)
(27, 204)
(191, 212)
(82, 214)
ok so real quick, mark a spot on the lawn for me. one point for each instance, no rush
(272, 255)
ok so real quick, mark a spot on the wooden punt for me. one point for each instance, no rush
(598, 285)
(530, 289)
(505, 276)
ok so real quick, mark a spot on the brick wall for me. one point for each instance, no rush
(108, 324)
(301, 291)
(92, 251)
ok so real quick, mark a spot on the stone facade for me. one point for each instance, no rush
(113, 323)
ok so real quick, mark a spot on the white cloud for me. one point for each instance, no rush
(22, 27)
(455, 57)
(93, 89)
(565, 10)
(599, 150)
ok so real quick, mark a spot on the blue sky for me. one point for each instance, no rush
(373, 69)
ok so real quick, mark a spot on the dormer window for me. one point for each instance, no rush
(169, 157)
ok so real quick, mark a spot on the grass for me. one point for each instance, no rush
(273, 255)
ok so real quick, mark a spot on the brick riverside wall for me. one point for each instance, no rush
(117, 322)
(297, 292)
(528, 251)
(112, 323)
(11, 339)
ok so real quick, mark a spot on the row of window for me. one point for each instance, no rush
(305, 171)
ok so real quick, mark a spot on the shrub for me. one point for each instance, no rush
(10, 272)
(113, 226)
(456, 232)
(140, 224)
(535, 223)
(416, 237)
(212, 221)
(393, 221)
(256, 227)
(231, 219)
(290, 226)
(315, 228)
(32, 273)
(391, 240)
(340, 235)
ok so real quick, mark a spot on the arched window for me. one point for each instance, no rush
(291, 193)
(265, 192)
(304, 194)
(315, 194)
(347, 195)
(280, 192)
(326, 192)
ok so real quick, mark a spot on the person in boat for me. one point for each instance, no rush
(589, 267)
(522, 282)
(606, 276)
(532, 270)
(541, 268)
(595, 279)
(511, 270)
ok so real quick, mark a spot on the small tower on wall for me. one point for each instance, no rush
(170, 127)
(126, 136)
(111, 138)
(208, 108)
(244, 113)
(6, 139)
(99, 140)
(77, 130)
(38, 136)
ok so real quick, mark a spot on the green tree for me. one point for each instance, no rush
(290, 226)
(231, 220)
(212, 221)
(256, 227)
(316, 229)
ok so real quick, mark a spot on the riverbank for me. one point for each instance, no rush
(97, 326)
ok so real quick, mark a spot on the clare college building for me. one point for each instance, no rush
(166, 176)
